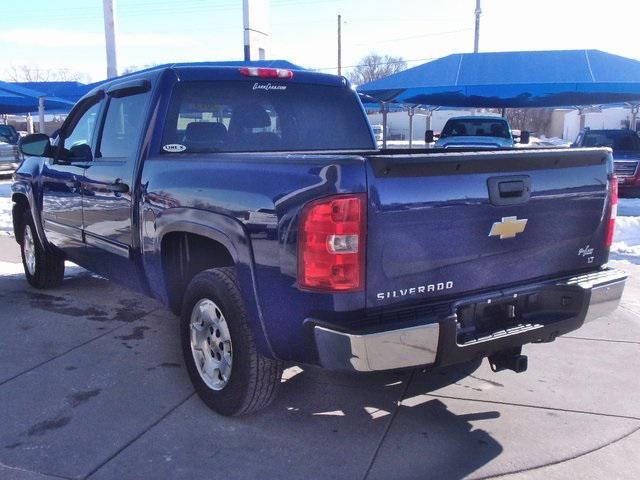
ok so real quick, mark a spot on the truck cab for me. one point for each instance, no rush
(476, 132)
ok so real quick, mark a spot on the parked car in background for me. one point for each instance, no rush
(476, 132)
(8, 134)
(255, 204)
(625, 144)
(9, 138)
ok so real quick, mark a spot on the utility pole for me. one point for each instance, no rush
(257, 29)
(339, 44)
(476, 42)
(110, 37)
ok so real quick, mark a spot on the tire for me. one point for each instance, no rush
(43, 269)
(214, 332)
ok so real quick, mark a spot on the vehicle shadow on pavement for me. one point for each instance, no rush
(422, 435)
(322, 425)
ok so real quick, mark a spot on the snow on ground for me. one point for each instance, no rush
(6, 227)
(626, 239)
(9, 268)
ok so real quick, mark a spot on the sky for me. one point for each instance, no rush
(54, 34)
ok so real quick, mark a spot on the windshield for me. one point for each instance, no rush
(481, 127)
(620, 140)
(220, 116)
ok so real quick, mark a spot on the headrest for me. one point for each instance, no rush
(250, 115)
(204, 132)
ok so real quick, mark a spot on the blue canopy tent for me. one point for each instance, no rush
(69, 91)
(514, 80)
(18, 99)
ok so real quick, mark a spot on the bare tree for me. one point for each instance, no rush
(532, 119)
(137, 68)
(374, 66)
(34, 73)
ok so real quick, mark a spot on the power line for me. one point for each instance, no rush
(394, 62)
(412, 37)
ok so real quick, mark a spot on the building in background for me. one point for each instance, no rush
(599, 119)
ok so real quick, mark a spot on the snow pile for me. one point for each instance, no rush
(626, 239)
(9, 268)
(6, 225)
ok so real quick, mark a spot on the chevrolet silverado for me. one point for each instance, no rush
(253, 202)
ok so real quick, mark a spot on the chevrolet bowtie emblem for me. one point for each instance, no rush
(509, 227)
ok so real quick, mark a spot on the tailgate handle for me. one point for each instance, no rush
(510, 190)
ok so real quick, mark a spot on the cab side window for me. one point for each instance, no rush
(123, 126)
(78, 141)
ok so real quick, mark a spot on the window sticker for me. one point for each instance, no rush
(174, 148)
(267, 87)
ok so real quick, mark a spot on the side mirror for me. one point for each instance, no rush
(525, 137)
(429, 137)
(35, 145)
(80, 153)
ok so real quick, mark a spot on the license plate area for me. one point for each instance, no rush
(513, 313)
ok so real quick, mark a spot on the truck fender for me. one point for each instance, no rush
(223, 229)
(23, 188)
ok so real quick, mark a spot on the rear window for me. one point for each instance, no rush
(477, 128)
(243, 116)
(618, 140)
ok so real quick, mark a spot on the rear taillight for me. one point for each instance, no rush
(331, 244)
(276, 73)
(613, 208)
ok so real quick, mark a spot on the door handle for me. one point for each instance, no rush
(117, 187)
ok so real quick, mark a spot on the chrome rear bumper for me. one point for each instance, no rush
(434, 342)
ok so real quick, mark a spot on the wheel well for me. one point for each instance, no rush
(184, 255)
(21, 205)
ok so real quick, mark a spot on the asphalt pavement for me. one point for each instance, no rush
(92, 385)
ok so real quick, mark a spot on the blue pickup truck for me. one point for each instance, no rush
(253, 202)
(476, 132)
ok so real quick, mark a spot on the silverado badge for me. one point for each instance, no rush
(508, 227)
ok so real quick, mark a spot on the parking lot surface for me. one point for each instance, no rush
(92, 385)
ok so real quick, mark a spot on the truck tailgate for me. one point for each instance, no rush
(443, 224)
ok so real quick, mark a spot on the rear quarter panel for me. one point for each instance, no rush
(252, 201)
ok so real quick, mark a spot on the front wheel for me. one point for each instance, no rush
(227, 371)
(43, 269)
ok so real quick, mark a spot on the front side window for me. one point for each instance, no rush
(123, 126)
(83, 130)
(262, 116)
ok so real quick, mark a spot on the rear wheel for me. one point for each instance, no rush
(43, 269)
(227, 371)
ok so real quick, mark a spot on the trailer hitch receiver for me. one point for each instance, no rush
(510, 359)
